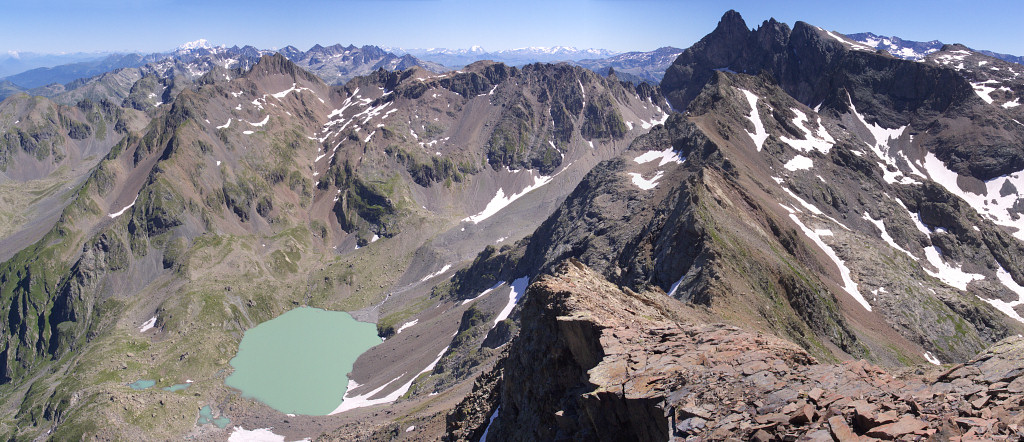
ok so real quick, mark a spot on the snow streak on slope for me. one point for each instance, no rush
(514, 295)
(407, 325)
(500, 200)
(443, 269)
(886, 237)
(815, 235)
(125, 209)
(759, 134)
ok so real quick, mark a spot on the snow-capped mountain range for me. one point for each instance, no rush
(917, 50)
(517, 56)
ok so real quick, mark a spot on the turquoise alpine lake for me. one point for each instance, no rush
(298, 363)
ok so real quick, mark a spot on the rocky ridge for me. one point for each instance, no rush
(620, 365)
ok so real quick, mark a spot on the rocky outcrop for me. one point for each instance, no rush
(823, 70)
(595, 362)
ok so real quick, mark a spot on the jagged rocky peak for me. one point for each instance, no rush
(277, 64)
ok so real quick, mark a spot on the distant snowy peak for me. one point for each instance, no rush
(898, 47)
(197, 44)
(567, 51)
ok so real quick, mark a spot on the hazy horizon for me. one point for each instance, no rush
(147, 26)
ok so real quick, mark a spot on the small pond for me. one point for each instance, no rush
(176, 387)
(142, 384)
(298, 363)
(206, 417)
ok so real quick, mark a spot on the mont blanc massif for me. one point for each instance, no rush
(778, 233)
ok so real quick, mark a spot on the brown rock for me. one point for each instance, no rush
(761, 436)
(974, 422)
(886, 417)
(840, 430)
(754, 367)
(980, 402)
(1017, 386)
(815, 394)
(803, 416)
(776, 418)
(906, 425)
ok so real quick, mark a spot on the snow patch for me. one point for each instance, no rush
(407, 325)
(483, 293)
(363, 400)
(759, 134)
(799, 162)
(1008, 307)
(932, 359)
(150, 323)
(666, 156)
(817, 139)
(952, 276)
(240, 434)
(437, 273)
(294, 88)
(225, 125)
(261, 123)
(121, 212)
(490, 422)
(500, 200)
(983, 91)
(992, 205)
(514, 295)
(880, 224)
(882, 148)
(643, 183)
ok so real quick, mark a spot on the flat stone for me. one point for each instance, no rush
(691, 425)
(840, 430)
(906, 425)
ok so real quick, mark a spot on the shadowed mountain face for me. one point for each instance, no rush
(549, 252)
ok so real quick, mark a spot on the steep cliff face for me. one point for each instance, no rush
(595, 362)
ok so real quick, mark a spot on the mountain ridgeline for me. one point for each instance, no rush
(550, 253)
(230, 194)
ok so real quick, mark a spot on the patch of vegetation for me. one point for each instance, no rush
(373, 202)
(511, 139)
(436, 169)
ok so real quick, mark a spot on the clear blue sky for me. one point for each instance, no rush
(621, 25)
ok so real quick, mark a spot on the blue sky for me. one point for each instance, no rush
(621, 25)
